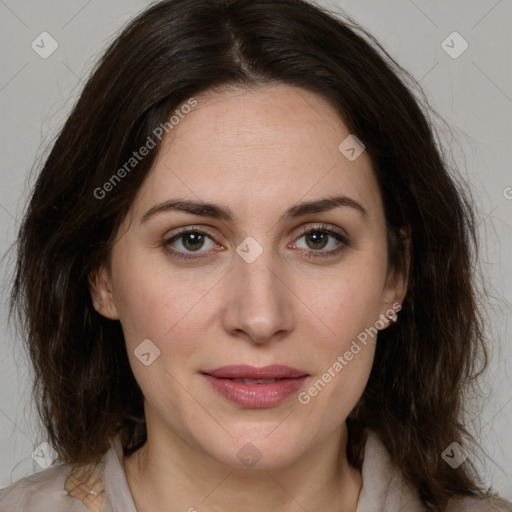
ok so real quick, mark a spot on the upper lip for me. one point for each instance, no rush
(274, 371)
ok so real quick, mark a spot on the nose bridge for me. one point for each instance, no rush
(261, 303)
(259, 277)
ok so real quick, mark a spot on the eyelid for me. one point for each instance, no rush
(327, 228)
(183, 255)
(343, 239)
(187, 229)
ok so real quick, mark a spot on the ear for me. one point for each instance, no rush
(100, 288)
(395, 287)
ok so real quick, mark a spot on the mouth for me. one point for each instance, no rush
(251, 387)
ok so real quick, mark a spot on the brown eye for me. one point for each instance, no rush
(189, 241)
(192, 241)
(319, 238)
(316, 239)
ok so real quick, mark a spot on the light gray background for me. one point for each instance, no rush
(472, 92)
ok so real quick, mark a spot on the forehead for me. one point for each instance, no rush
(257, 150)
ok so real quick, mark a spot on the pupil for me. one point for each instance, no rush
(196, 238)
(318, 237)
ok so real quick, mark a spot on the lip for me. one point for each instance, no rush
(243, 371)
(256, 396)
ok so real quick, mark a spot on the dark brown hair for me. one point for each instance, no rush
(84, 387)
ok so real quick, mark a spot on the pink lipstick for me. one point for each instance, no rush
(257, 388)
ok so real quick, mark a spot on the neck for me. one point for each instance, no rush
(169, 474)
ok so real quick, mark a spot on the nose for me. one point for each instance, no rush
(259, 305)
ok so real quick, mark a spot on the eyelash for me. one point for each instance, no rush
(322, 228)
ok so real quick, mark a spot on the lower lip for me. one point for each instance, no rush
(256, 396)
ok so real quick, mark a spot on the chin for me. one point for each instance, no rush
(260, 447)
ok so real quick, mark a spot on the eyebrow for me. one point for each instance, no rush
(223, 213)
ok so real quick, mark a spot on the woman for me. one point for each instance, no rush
(245, 276)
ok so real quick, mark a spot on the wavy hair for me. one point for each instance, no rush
(175, 49)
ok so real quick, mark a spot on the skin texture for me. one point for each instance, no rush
(258, 152)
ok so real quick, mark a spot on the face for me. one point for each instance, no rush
(253, 307)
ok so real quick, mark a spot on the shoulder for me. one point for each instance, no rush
(62, 488)
(384, 484)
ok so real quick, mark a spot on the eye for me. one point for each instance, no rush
(320, 237)
(189, 241)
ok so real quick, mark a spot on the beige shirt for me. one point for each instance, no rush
(102, 487)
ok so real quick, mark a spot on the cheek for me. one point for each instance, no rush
(349, 301)
(349, 307)
(152, 297)
(344, 365)
(332, 394)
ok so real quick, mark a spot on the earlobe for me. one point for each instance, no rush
(389, 318)
(100, 288)
(396, 284)
(394, 295)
